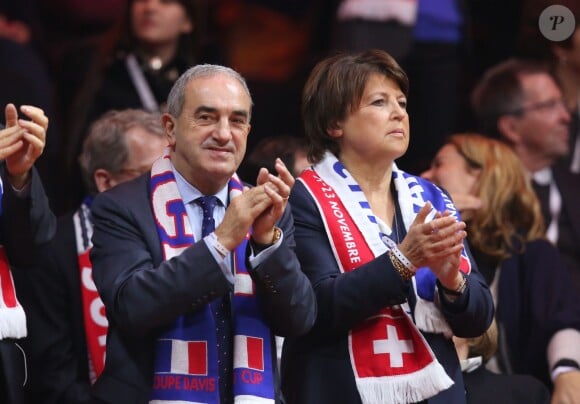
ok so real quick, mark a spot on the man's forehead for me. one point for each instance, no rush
(216, 91)
(539, 84)
(215, 81)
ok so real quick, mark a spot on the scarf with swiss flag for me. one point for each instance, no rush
(391, 360)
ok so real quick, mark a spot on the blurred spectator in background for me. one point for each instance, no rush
(563, 59)
(537, 308)
(291, 149)
(368, 24)
(67, 325)
(134, 68)
(483, 386)
(521, 103)
(71, 32)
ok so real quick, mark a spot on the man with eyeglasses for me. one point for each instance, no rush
(68, 327)
(521, 103)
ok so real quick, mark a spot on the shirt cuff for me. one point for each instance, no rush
(562, 369)
(219, 258)
(257, 259)
(23, 192)
(564, 344)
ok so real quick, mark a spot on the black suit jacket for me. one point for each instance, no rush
(56, 342)
(25, 224)
(535, 300)
(316, 367)
(142, 293)
(485, 387)
(568, 184)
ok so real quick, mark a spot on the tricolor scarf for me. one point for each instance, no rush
(391, 360)
(12, 317)
(95, 319)
(186, 367)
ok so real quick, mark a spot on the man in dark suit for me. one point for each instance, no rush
(196, 271)
(26, 222)
(521, 103)
(67, 326)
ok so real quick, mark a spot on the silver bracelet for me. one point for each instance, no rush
(404, 259)
(400, 256)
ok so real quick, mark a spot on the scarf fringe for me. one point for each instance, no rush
(409, 388)
(12, 322)
(429, 318)
(246, 399)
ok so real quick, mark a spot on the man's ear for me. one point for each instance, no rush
(168, 122)
(103, 179)
(508, 126)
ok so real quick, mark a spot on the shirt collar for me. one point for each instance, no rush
(543, 176)
(189, 193)
(470, 364)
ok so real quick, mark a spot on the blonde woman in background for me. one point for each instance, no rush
(537, 311)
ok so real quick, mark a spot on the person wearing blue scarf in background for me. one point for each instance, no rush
(67, 324)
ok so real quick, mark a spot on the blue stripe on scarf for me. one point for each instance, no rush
(424, 278)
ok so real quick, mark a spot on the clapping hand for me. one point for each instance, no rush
(436, 244)
(259, 207)
(22, 142)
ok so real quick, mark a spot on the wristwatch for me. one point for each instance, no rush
(275, 237)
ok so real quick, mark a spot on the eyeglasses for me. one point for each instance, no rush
(548, 105)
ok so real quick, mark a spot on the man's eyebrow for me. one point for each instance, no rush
(241, 112)
(204, 108)
(212, 110)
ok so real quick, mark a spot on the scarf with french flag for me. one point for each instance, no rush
(391, 360)
(186, 368)
(12, 317)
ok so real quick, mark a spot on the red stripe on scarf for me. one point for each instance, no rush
(352, 243)
(6, 282)
(96, 323)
